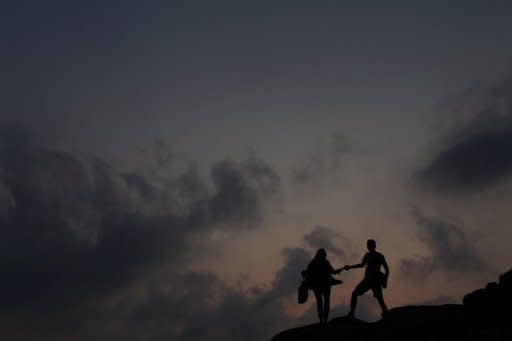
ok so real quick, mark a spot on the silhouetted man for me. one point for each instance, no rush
(373, 278)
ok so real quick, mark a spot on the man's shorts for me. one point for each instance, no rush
(367, 284)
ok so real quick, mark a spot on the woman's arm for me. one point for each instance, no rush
(334, 271)
(337, 271)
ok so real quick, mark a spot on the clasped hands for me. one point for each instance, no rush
(346, 267)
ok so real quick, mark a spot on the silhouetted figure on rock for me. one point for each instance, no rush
(319, 278)
(373, 279)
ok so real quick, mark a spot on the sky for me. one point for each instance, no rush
(167, 168)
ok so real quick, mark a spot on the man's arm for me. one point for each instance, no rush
(385, 266)
(386, 272)
(357, 266)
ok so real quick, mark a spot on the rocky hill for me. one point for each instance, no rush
(484, 315)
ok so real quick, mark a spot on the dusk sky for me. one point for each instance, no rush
(167, 168)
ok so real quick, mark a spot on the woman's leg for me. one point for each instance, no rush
(327, 301)
(319, 304)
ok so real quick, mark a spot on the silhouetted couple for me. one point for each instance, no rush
(319, 276)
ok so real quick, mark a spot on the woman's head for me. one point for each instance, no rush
(321, 254)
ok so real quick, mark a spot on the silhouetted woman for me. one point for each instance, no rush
(320, 280)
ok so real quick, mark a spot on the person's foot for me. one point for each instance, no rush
(350, 316)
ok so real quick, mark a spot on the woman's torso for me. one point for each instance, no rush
(319, 272)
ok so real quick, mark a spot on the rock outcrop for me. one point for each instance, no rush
(492, 304)
(484, 315)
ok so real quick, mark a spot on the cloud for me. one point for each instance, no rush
(172, 306)
(478, 153)
(207, 308)
(475, 163)
(198, 306)
(90, 252)
(450, 250)
(237, 199)
(417, 268)
(324, 237)
(75, 232)
(289, 276)
(325, 163)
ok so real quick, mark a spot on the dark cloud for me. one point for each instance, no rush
(237, 199)
(324, 237)
(478, 153)
(297, 259)
(197, 306)
(255, 314)
(417, 268)
(172, 306)
(450, 250)
(75, 232)
(88, 252)
(477, 162)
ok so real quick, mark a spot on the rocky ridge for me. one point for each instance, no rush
(484, 315)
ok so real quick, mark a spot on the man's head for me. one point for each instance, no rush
(371, 245)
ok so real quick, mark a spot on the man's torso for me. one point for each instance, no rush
(374, 260)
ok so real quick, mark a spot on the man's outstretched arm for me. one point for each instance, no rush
(356, 266)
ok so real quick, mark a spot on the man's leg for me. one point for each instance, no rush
(353, 304)
(377, 292)
(360, 289)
